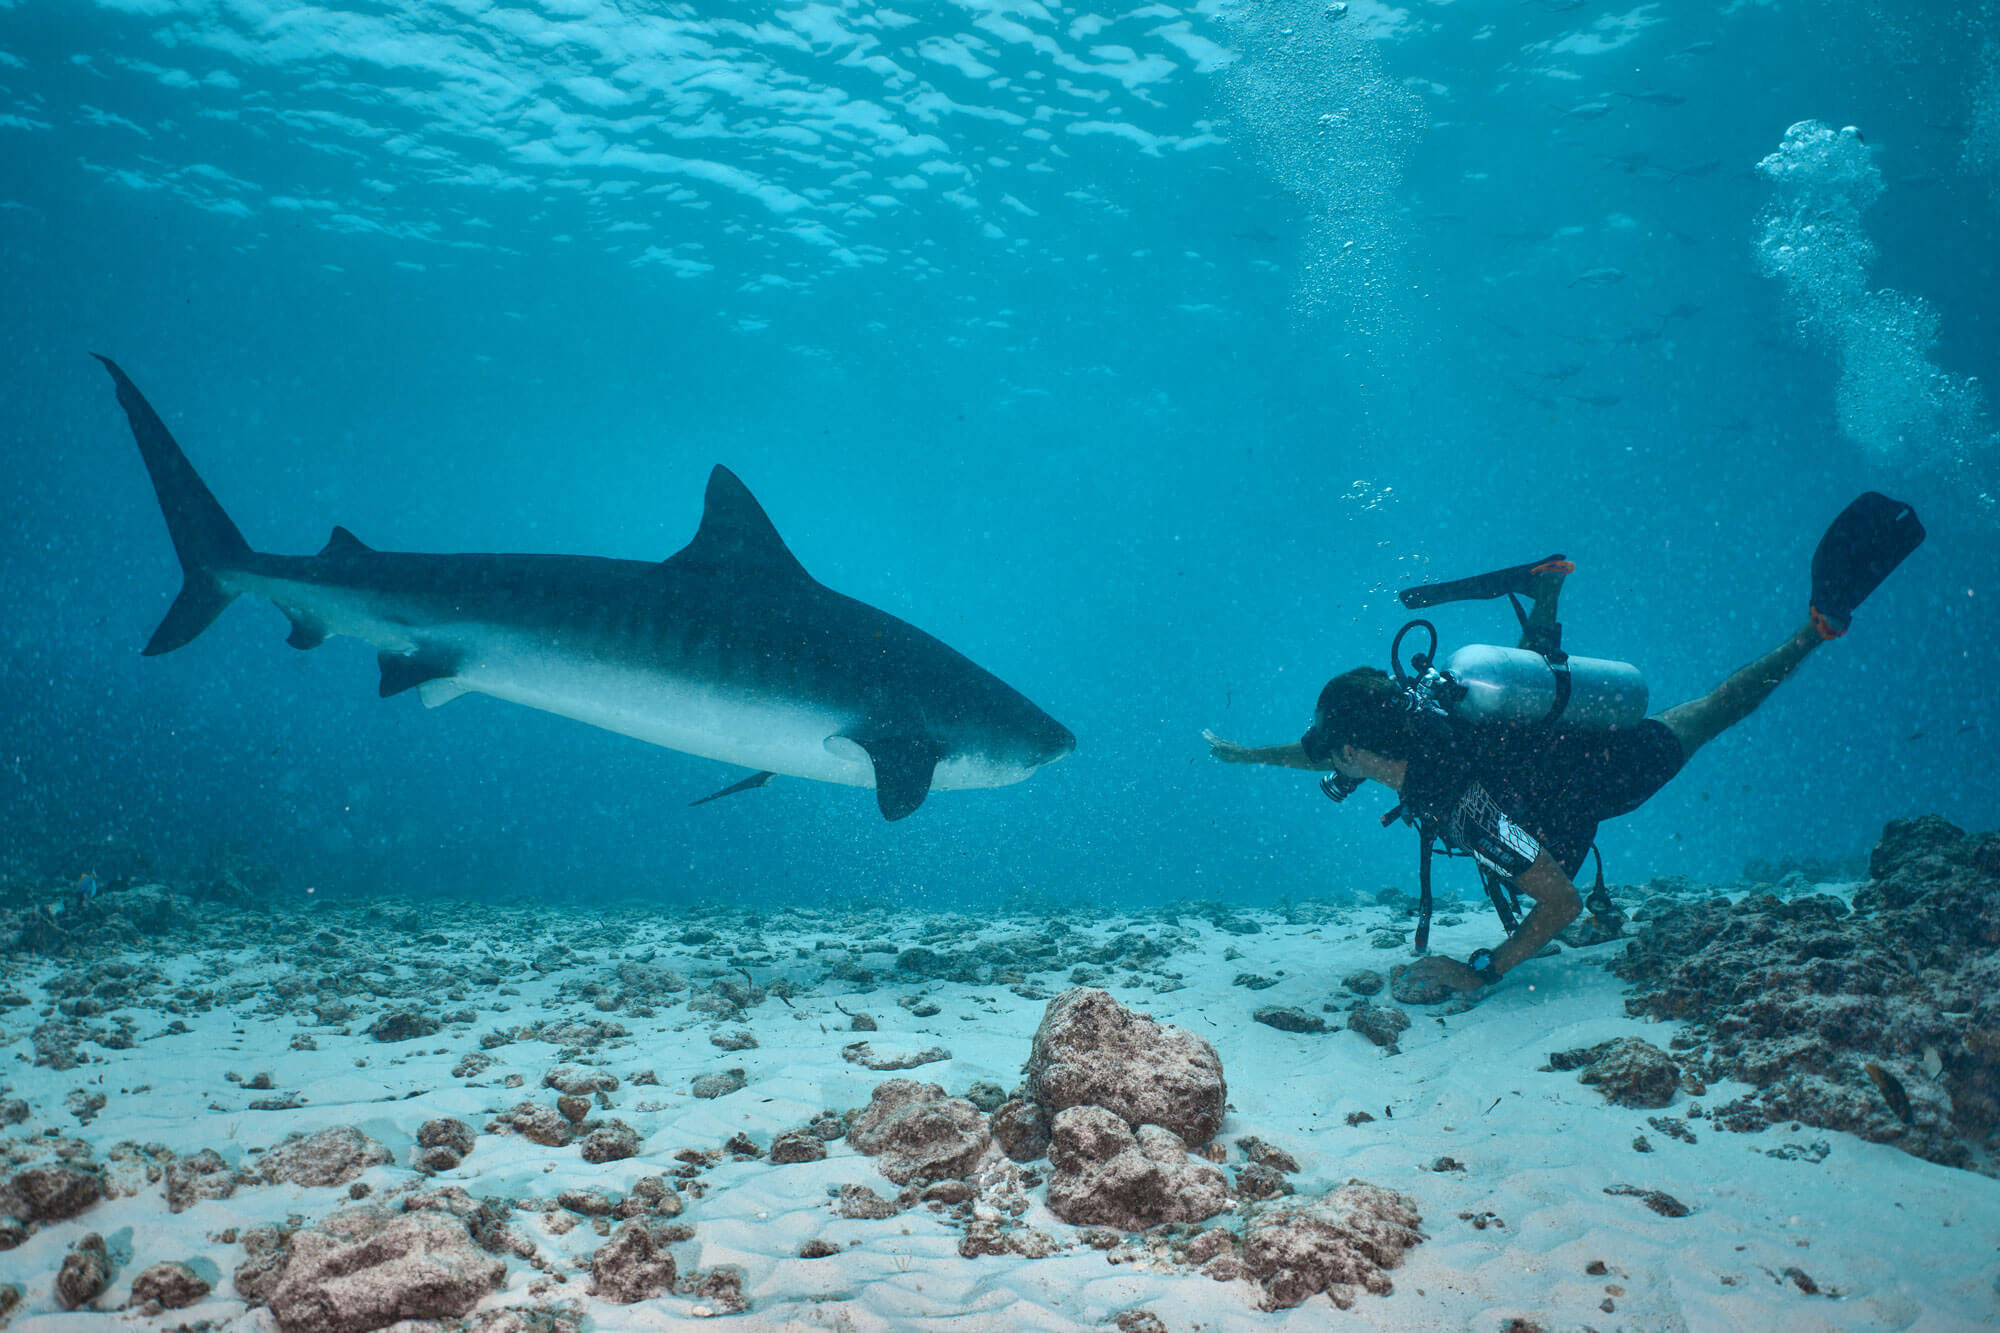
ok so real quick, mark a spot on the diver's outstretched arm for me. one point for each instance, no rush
(1556, 905)
(1277, 756)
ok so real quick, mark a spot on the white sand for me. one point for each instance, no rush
(1906, 1244)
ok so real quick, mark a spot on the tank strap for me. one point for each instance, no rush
(1505, 902)
(1599, 902)
(1424, 904)
(1559, 668)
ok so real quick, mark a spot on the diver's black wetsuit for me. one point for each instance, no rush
(1501, 794)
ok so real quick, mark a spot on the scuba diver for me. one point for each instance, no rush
(1513, 756)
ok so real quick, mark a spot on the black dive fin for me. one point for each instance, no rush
(904, 766)
(204, 538)
(1518, 580)
(406, 671)
(306, 633)
(751, 783)
(1861, 548)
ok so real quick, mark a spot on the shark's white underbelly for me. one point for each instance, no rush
(782, 734)
(793, 738)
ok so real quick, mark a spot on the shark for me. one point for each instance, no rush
(728, 649)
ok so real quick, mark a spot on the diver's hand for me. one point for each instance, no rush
(1447, 970)
(1229, 752)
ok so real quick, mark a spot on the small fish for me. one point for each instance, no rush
(1655, 97)
(1695, 172)
(1584, 111)
(86, 886)
(1569, 370)
(1684, 310)
(1637, 337)
(1595, 400)
(1692, 49)
(1933, 1062)
(1892, 1092)
(1598, 277)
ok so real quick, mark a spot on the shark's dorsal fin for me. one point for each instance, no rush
(904, 766)
(343, 542)
(736, 533)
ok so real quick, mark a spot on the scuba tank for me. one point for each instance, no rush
(1484, 685)
(1520, 687)
(1538, 685)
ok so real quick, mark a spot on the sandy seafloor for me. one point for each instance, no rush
(1893, 1242)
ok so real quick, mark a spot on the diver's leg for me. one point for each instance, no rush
(1699, 721)
(1541, 628)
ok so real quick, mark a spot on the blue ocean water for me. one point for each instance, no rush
(1139, 355)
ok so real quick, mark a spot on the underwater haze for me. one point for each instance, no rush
(1139, 354)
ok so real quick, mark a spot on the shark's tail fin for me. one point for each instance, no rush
(204, 538)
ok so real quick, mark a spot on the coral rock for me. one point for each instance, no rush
(862, 1203)
(632, 1266)
(1351, 1238)
(541, 1124)
(1412, 988)
(720, 1085)
(404, 1025)
(797, 1145)
(364, 1269)
(334, 1156)
(1629, 1071)
(86, 1271)
(1021, 1128)
(1106, 1175)
(576, 1081)
(49, 1193)
(202, 1176)
(174, 1286)
(1380, 1023)
(1091, 1050)
(446, 1133)
(917, 1133)
(1287, 1019)
(613, 1141)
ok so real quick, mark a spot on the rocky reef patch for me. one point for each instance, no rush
(1880, 1018)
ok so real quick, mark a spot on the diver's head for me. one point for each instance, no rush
(1360, 729)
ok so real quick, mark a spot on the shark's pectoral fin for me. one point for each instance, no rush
(306, 633)
(904, 766)
(751, 783)
(406, 671)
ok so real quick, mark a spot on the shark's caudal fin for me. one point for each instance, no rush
(204, 538)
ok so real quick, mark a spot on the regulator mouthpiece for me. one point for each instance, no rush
(1338, 787)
